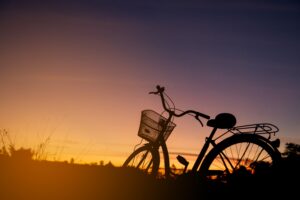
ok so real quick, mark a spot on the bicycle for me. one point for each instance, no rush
(239, 147)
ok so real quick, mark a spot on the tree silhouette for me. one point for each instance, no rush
(292, 150)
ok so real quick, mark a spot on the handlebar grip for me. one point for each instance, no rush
(203, 115)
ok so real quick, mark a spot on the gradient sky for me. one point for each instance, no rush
(79, 71)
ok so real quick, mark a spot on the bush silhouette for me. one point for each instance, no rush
(21, 154)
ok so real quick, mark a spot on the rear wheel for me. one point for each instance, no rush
(243, 154)
(145, 158)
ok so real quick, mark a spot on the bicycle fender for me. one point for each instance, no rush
(264, 139)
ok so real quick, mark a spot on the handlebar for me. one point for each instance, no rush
(160, 91)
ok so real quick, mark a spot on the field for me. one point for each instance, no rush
(44, 180)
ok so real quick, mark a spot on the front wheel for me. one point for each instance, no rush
(145, 158)
(246, 154)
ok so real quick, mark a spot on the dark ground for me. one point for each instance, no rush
(27, 179)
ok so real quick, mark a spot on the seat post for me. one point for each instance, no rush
(204, 150)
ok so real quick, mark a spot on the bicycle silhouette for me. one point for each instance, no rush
(238, 147)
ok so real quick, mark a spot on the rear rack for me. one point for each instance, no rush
(261, 128)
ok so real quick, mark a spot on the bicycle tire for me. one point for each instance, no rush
(239, 152)
(145, 158)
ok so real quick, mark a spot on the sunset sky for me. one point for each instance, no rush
(79, 72)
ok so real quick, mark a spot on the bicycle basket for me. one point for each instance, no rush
(151, 125)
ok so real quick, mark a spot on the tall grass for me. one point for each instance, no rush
(9, 148)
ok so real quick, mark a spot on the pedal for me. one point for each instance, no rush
(183, 161)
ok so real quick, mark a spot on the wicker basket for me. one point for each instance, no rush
(151, 125)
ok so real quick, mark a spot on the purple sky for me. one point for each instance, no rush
(97, 60)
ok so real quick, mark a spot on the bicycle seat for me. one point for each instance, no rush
(223, 121)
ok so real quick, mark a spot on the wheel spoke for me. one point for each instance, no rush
(144, 158)
(237, 153)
